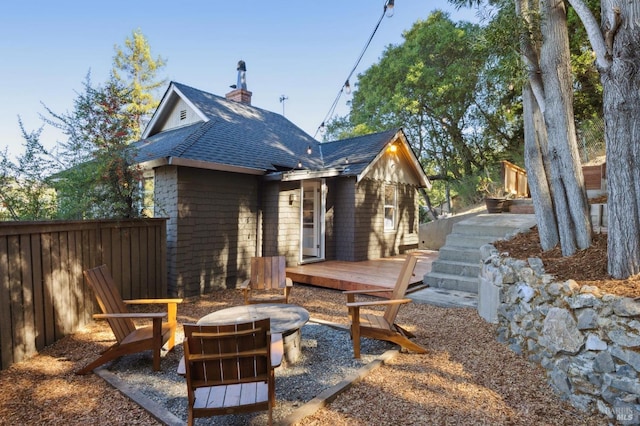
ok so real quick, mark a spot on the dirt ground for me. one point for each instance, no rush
(586, 267)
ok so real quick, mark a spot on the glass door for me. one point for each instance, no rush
(310, 219)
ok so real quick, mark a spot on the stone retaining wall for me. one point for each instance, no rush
(588, 341)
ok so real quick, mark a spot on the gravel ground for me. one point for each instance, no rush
(467, 378)
(325, 360)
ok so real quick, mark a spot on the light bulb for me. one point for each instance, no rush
(389, 8)
(347, 88)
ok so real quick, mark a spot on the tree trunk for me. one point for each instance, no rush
(621, 87)
(535, 140)
(569, 195)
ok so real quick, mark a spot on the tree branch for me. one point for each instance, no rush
(601, 47)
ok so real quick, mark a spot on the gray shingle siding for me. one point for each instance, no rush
(216, 231)
(166, 205)
(370, 239)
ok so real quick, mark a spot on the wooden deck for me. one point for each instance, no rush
(369, 274)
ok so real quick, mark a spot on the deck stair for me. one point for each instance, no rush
(458, 264)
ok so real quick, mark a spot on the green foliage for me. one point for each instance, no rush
(25, 192)
(135, 67)
(438, 86)
(100, 179)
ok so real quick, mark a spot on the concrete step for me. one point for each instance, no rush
(456, 268)
(459, 254)
(452, 282)
(495, 231)
(468, 240)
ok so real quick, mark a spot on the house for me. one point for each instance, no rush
(236, 181)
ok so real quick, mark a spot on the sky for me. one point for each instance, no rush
(302, 50)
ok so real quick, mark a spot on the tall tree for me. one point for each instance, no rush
(100, 179)
(136, 68)
(615, 43)
(556, 176)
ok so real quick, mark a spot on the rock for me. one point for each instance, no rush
(630, 357)
(584, 300)
(591, 290)
(604, 409)
(623, 338)
(555, 289)
(561, 332)
(571, 287)
(582, 402)
(603, 363)
(595, 343)
(525, 293)
(560, 381)
(587, 319)
(626, 307)
(626, 385)
(487, 250)
(536, 264)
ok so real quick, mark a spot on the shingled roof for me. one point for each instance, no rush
(239, 137)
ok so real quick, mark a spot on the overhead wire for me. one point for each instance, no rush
(388, 5)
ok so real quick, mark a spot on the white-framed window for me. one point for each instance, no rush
(390, 206)
(147, 187)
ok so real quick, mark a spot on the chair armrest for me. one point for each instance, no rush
(151, 301)
(379, 302)
(277, 349)
(289, 282)
(245, 284)
(132, 315)
(374, 290)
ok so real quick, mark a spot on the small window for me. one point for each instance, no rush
(147, 199)
(390, 202)
(183, 114)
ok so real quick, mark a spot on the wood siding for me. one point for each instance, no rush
(371, 241)
(43, 296)
(216, 230)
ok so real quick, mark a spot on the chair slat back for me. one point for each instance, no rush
(400, 289)
(109, 300)
(226, 354)
(268, 272)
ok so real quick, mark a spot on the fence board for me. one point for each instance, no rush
(38, 291)
(16, 308)
(26, 274)
(43, 295)
(6, 336)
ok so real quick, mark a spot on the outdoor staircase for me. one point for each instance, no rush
(458, 264)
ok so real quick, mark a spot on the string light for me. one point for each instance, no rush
(388, 10)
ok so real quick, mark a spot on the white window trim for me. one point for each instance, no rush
(393, 206)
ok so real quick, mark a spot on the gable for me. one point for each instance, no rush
(393, 167)
(177, 115)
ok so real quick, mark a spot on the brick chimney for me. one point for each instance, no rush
(240, 92)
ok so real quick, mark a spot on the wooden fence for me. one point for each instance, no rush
(515, 180)
(43, 295)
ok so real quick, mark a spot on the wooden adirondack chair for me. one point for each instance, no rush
(268, 282)
(383, 327)
(229, 369)
(130, 339)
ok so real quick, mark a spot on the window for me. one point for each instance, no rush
(147, 188)
(390, 199)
